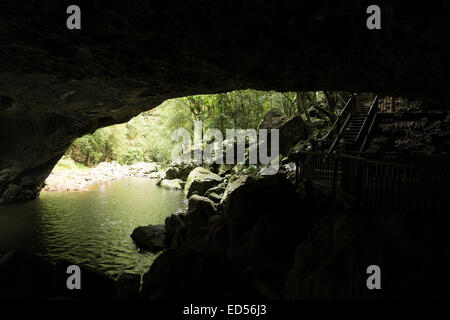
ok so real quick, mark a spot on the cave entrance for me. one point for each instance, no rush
(123, 176)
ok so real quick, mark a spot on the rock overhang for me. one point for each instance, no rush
(58, 84)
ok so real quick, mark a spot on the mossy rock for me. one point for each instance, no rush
(201, 180)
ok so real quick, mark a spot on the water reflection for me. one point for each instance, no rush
(90, 227)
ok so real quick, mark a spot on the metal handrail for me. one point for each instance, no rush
(336, 123)
(369, 118)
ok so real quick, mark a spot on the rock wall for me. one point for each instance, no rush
(405, 133)
(58, 84)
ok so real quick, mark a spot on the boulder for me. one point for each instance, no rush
(220, 189)
(25, 275)
(315, 273)
(263, 222)
(216, 198)
(318, 123)
(143, 168)
(201, 180)
(177, 274)
(157, 175)
(179, 171)
(411, 251)
(174, 184)
(273, 119)
(175, 225)
(291, 132)
(128, 286)
(199, 210)
(152, 237)
(225, 169)
(94, 284)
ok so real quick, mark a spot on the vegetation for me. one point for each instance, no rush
(147, 137)
(67, 163)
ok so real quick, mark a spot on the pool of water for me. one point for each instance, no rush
(92, 227)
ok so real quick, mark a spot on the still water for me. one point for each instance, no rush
(92, 227)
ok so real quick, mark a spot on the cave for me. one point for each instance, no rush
(128, 57)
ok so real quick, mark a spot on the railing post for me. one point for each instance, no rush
(354, 102)
(358, 184)
(335, 170)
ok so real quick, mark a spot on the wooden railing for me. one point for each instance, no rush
(419, 184)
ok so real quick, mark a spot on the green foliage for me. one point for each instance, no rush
(251, 169)
(147, 137)
(67, 163)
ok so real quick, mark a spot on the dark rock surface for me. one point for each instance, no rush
(152, 237)
(58, 84)
(205, 275)
(411, 133)
(214, 197)
(191, 229)
(94, 284)
(179, 171)
(291, 132)
(225, 169)
(257, 228)
(273, 119)
(263, 221)
(175, 226)
(332, 265)
(128, 286)
(199, 210)
(282, 246)
(24, 275)
(220, 189)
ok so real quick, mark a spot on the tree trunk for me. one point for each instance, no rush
(301, 105)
